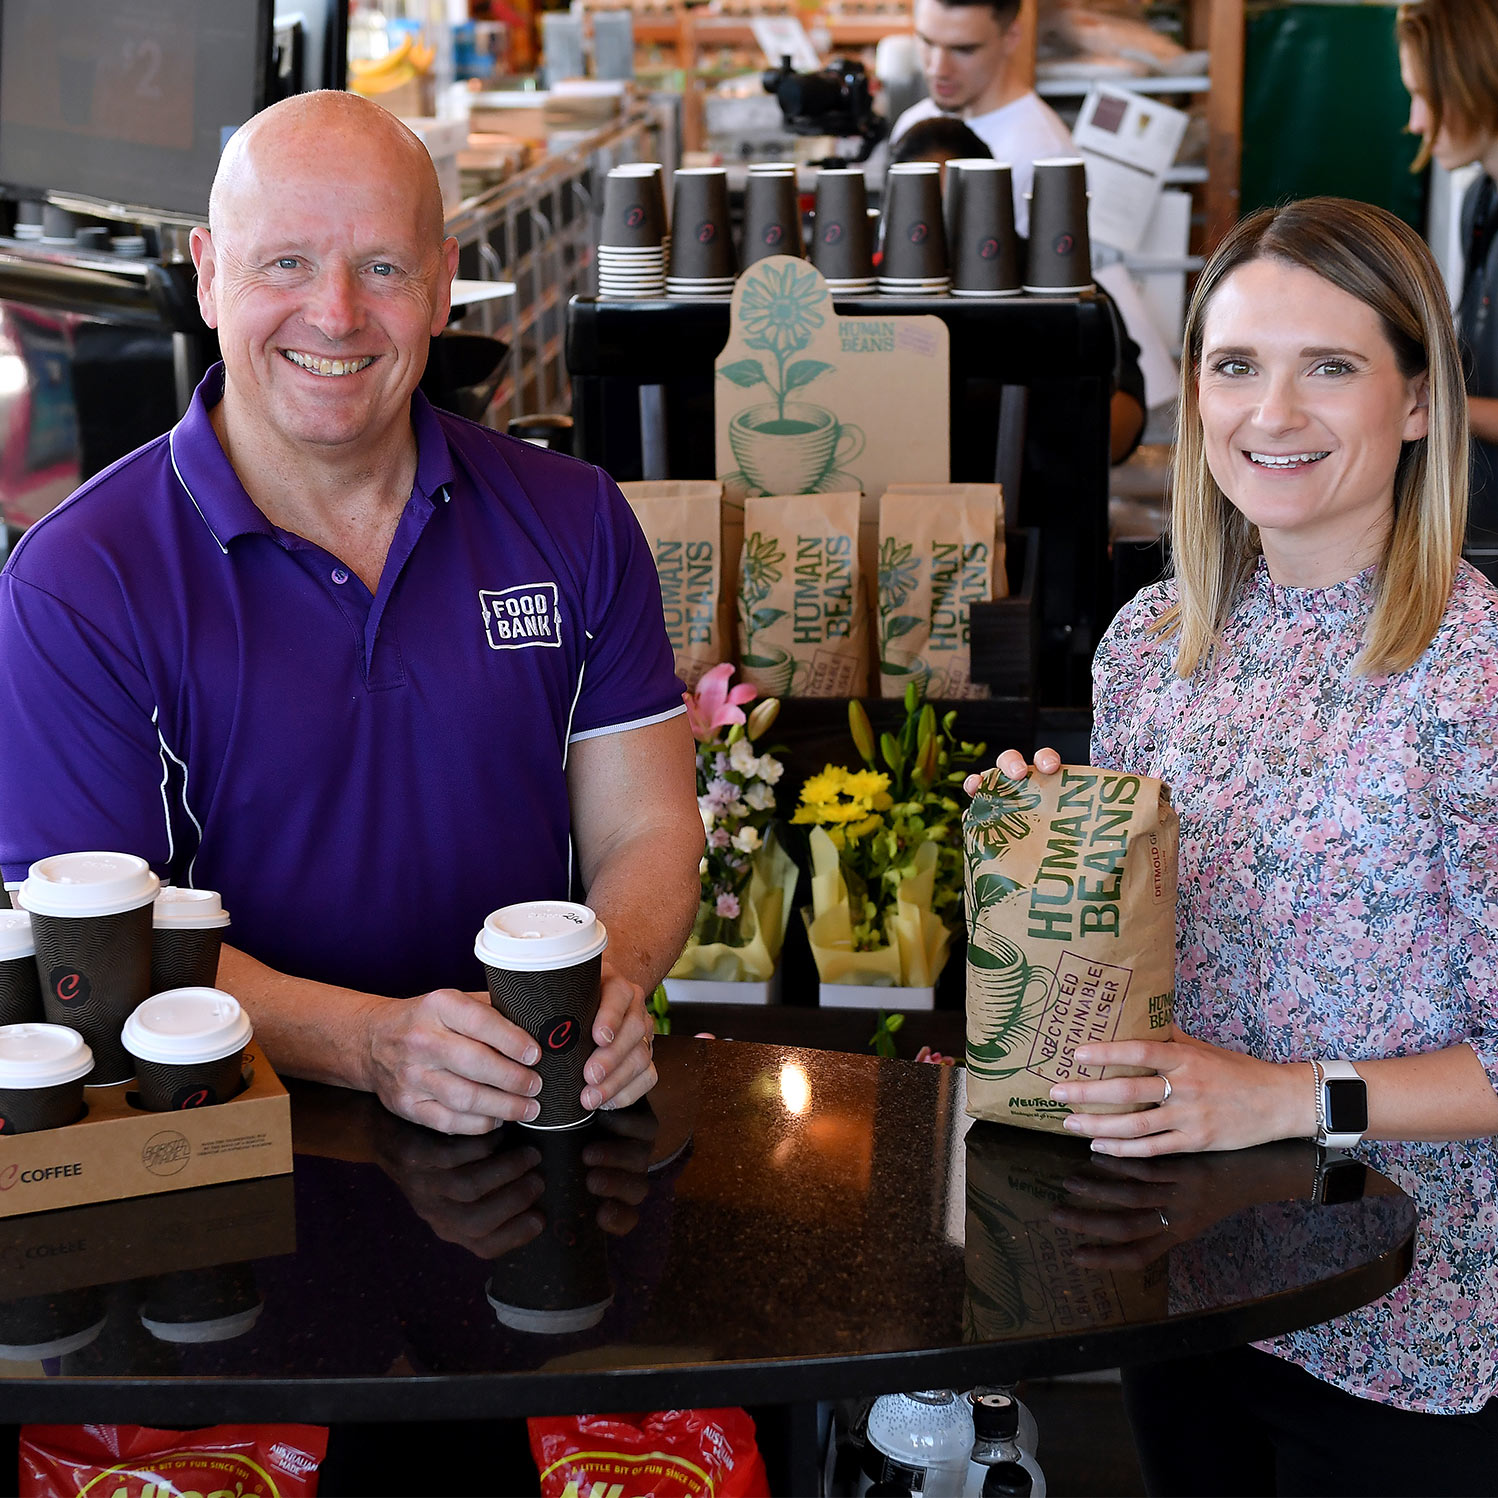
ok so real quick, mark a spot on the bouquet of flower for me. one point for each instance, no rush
(886, 850)
(748, 879)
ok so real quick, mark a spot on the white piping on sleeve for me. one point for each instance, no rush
(166, 754)
(598, 733)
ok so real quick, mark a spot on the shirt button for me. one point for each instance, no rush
(339, 576)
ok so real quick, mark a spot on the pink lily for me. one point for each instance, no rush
(714, 705)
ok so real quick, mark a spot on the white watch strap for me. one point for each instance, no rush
(1333, 1071)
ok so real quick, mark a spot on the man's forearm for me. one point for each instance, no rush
(307, 1029)
(646, 893)
(1482, 415)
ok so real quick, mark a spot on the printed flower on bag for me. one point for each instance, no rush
(898, 571)
(762, 558)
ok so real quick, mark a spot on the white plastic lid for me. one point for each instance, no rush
(59, 1347)
(220, 1329)
(539, 935)
(186, 1025)
(187, 909)
(15, 935)
(548, 1323)
(42, 1056)
(84, 884)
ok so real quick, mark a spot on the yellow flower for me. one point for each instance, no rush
(840, 795)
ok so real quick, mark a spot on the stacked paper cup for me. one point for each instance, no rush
(772, 213)
(633, 244)
(981, 240)
(915, 239)
(842, 246)
(701, 261)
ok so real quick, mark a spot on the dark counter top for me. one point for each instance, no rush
(785, 1224)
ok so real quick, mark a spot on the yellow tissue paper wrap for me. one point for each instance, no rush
(766, 914)
(916, 940)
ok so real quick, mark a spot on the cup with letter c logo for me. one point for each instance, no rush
(543, 960)
(188, 1045)
(42, 1068)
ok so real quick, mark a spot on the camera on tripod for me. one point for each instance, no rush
(835, 101)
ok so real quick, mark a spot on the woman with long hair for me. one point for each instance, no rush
(1318, 684)
(1448, 59)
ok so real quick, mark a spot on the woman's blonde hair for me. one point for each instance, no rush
(1372, 255)
(1453, 45)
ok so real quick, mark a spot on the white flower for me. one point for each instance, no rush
(770, 769)
(702, 868)
(737, 810)
(742, 758)
(746, 839)
(706, 807)
(760, 796)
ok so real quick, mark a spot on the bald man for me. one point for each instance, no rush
(367, 669)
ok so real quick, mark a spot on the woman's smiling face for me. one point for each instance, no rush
(1304, 411)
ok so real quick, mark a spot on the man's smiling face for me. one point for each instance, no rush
(326, 275)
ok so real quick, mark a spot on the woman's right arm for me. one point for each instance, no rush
(1482, 417)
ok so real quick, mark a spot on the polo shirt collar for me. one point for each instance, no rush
(207, 476)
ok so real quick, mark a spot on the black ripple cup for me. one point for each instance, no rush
(35, 1327)
(559, 1281)
(187, 934)
(634, 208)
(772, 216)
(981, 238)
(188, 1046)
(91, 920)
(42, 1071)
(1060, 256)
(202, 1305)
(702, 236)
(543, 960)
(20, 987)
(915, 236)
(842, 245)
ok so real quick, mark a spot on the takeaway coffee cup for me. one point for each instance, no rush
(842, 245)
(187, 931)
(559, 1281)
(50, 1326)
(188, 1046)
(42, 1068)
(543, 960)
(702, 243)
(634, 210)
(980, 228)
(202, 1305)
(20, 988)
(772, 219)
(91, 921)
(1060, 259)
(915, 237)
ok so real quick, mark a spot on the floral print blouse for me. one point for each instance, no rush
(1339, 898)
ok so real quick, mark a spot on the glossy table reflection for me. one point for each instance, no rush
(809, 1225)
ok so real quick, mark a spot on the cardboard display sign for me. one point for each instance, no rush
(807, 402)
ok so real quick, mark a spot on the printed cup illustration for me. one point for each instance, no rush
(702, 246)
(791, 449)
(543, 961)
(42, 1069)
(772, 219)
(1071, 891)
(915, 237)
(842, 245)
(20, 986)
(187, 933)
(634, 208)
(1060, 255)
(188, 1046)
(202, 1305)
(35, 1327)
(559, 1281)
(980, 228)
(91, 920)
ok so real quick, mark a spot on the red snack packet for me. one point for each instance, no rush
(670, 1454)
(236, 1461)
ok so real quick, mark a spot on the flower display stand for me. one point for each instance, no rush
(868, 996)
(709, 991)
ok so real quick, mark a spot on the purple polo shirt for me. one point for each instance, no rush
(363, 777)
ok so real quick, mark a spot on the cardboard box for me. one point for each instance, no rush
(119, 1151)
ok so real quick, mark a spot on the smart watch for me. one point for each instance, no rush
(1341, 1104)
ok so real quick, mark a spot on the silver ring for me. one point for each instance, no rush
(1165, 1098)
(1164, 1220)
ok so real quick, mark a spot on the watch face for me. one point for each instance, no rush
(1344, 1181)
(1346, 1106)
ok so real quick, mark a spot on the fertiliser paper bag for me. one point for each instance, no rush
(683, 524)
(802, 627)
(1071, 900)
(941, 549)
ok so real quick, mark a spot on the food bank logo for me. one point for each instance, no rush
(517, 618)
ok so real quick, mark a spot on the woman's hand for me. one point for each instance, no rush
(1217, 1099)
(1012, 763)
